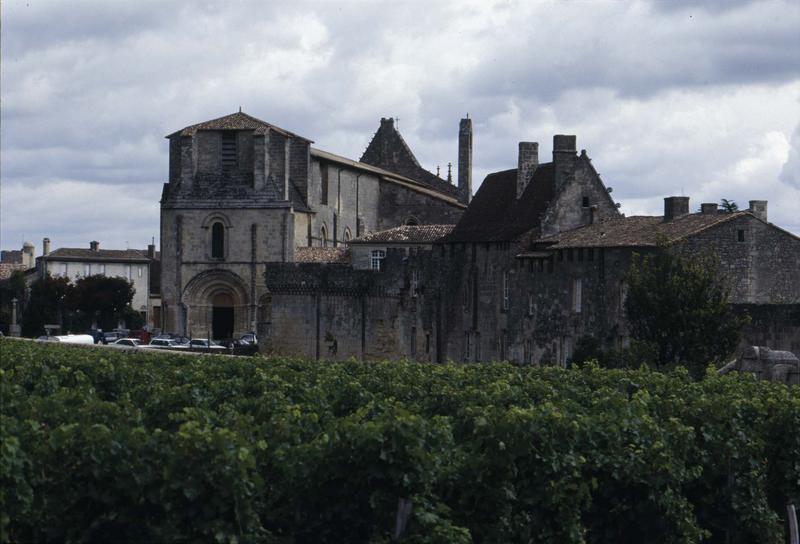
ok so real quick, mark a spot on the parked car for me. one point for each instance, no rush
(199, 343)
(68, 339)
(129, 342)
(249, 338)
(165, 343)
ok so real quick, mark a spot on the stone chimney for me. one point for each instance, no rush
(46, 246)
(759, 209)
(94, 245)
(564, 154)
(675, 206)
(151, 251)
(708, 208)
(527, 163)
(465, 161)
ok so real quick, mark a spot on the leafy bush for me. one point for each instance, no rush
(111, 446)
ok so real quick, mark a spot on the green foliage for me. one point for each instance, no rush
(46, 304)
(728, 206)
(104, 297)
(115, 446)
(11, 288)
(678, 308)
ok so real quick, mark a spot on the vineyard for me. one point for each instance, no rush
(132, 447)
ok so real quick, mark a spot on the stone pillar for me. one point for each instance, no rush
(13, 328)
(187, 163)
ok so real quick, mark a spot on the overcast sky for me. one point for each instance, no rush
(668, 98)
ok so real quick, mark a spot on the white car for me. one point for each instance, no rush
(128, 342)
(165, 343)
(204, 344)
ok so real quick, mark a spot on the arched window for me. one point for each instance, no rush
(347, 235)
(218, 241)
(323, 236)
(412, 221)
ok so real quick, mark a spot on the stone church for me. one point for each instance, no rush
(243, 193)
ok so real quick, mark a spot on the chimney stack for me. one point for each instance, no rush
(151, 251)
(675, 206)
(708, 208)
(465, 161)
(527, 163)
(564, 154)
(46, 246)
(759, 209)
(94, 245)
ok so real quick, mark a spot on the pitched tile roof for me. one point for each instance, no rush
(419, 234)
(322, 255)
(637, 231)
(86, 254)
(235, 121)
(388, 150)
(495, 214)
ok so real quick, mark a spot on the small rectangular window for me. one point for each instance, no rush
(530, 303)
(87, 270)
(740, 235)
(506, 290)
(128, 272)
(576, 295)
(140, 271)
(585, 202)
(230, 153)
(64, 270)
(376, 259)
(323, 195)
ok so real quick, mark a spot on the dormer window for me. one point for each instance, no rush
(230, 151)
(218, 241)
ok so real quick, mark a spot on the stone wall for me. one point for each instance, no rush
(399, 204)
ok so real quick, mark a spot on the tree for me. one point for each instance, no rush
(728, 206)
(678, 307)
(102, 298)
(46, 304)
(10, 289)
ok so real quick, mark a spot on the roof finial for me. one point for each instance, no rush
(397, 123)
(437, 171)
(467, 115)
(240, 109)
(450, 172)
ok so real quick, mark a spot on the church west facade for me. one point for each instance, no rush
(243, 193)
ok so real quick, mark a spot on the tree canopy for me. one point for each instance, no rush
(679, 308)
(102, 297)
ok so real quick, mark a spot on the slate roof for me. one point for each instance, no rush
(388, 150)
(235, 121)
(637, 231)
(86, 254)
(6, 269)
(322, 255)
(407, 234)
(496, 215)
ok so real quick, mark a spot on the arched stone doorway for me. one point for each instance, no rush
(217, 305)
(223, 315)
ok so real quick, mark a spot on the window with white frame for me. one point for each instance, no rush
(506, 290)
(376, 259)
(87, 270)
(140, 271)
(63, 270)
(577, 288)
(128, 272)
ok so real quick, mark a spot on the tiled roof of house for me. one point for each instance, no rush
(6, 269)
(407, 234)
(495, 214)
(637, 231)
(235, 121)
(322, 255)
(86, 254)
(388, 150)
